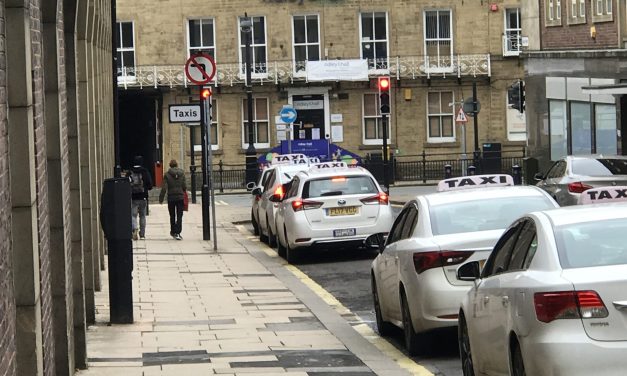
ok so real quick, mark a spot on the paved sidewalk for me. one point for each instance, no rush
(232, 311)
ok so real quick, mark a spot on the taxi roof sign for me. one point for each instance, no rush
(475, 181)
(603, 195)
(282, 159)
(329, 165)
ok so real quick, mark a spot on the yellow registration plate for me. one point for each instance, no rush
(348, 210)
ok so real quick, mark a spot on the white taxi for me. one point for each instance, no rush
(552, 297)
(284, 167)
(258, 189)
(414, 285)
(330, 204)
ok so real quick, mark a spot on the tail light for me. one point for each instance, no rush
(556, 305)
(279, 192)
(381, 198)
(429, 260)
(578, 187)
(298, 205)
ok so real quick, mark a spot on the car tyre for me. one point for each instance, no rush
(412, 340)
(518, 365)
(255, 224)
(465, 353)
(385, 328)
(271, 236)
(292, 256)
(280, 247)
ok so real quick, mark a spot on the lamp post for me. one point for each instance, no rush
(246, 26)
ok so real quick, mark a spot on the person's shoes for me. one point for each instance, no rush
(173, 235)
(142, 237)
(178, 237)
(135, 232)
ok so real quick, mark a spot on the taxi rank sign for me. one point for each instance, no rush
(188, 113)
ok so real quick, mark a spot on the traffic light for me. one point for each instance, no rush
(384, 94)
(516, 96)
(205, 93)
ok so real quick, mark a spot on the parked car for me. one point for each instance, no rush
(329, 205)
(254, 212)
(414, 285)
(571, 175)
(552, 297)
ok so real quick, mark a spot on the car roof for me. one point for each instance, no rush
(595, 156)
(291, 167)
(485, 193)
(586, 213)
(316, 173)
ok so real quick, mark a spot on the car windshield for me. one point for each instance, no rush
(598, 243)
(484, 215)
(599, 167)
(339, 185)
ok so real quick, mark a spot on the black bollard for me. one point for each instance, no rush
(448, 171)
(471, 170)
(517, 175)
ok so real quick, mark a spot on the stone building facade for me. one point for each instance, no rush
(571, 71)
(56, 137)
(432, 53)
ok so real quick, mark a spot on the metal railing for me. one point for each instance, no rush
(224, 176)
(288, 71)
(512, 43)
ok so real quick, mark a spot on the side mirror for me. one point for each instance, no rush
(276, 198)
(469, 271)
(376, 241)
(251, 185)
(256, 191)
(539, 176)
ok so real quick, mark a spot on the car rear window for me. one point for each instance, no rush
(600, 167)
(484, 215)
(598, 243)
(339, 185)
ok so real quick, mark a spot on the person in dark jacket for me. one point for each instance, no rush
(174, 186)
(141, 183)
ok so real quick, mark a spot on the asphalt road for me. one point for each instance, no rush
(346, 275)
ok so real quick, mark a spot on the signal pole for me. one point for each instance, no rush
(384, 99)
(205, 113)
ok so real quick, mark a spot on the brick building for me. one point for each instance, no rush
(307, 53)
(573, 71)
(56, 140)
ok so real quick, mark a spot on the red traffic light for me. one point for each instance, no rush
(205, 93)
(384, 83)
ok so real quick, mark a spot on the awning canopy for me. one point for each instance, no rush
(614, 89)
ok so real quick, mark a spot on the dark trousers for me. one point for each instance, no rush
(175, 208)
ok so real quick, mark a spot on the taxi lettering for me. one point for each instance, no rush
(475, 181)
(290, 159)
(329, 165)
(603, 194)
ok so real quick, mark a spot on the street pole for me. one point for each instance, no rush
(386, 181)
(251, 153)
(205, 175)
(477, 152)
(210, 164)
(192, 164)
(117, 169)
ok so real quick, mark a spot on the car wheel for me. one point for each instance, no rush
(292, 256)
(255, 224)
(518, 366)
(280, 246)
(384, 327)
(271, 237)
(464, 347)
(412, 343)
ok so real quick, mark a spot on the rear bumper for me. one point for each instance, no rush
(322, 238)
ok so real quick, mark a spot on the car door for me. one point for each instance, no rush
(264, 202)
(554, 181)
(486, 304)
(284, 210)
(387, 280)
(401, 254)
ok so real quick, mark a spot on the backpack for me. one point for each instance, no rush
(137, 182)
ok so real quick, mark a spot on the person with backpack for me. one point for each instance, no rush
(141, 183)
(174, 186)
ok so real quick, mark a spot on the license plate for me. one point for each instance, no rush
(344, 232)
(348, 210)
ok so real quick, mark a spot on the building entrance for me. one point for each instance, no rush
(309, 124)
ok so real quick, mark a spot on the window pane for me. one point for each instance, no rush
(381, 50)
(299, 29)
(434, 103)
(367, 50)
(447, 98)
(300, 53)
(605, 121)
(434, 126)
(444, 25)
(129, 58)
(557, 124)
(433, 49)
(379, 129)
(580, 128)
(194, 33)
(214, 134)
(262, 133)
(245, 109)
(259, 27)
(261, 106)
(260, 59)
(431, 24)
(380, 31)
(366, 26)
(312, 29)
(369, 128)
(207, 33)
(117, 35)
(120, 62)
(447, 126)
(127, 34)
(370, 105)
(313, 53)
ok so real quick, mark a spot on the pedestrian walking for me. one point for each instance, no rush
(141, 183)
(174, 186)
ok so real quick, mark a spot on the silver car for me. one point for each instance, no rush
(258, 189)
(552, 297)
(572, 175)
(414, 285)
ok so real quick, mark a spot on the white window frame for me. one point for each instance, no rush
(439, 67)
(441, 139)
(378, 119)
(215, 122)
(608, 7)
(303, 70)
(263, 70)
(602, 10)
(599, 7)
(244, 127)
(210, 49)
(582, 9)
(577, 12)
(558, 9)
(574, 12)
(376, 67)
(551, 12)
(512, 35)
(126, 76)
